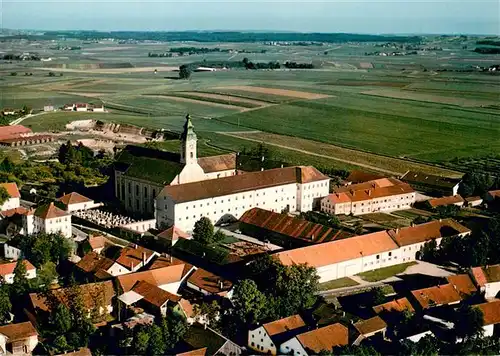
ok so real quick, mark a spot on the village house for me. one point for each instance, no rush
(463, 284)
(384, 194)
(281, 189)
(267, 338)
(491, 316)
(18, 339)
(369, 328)
(492, 195)
(170, 236)
(313, 342)
(167, 278)
(456, 200)
(130, 259)
(356, 176)
(208, 283)
(487, 279)
(48, 219)
(7, 271)
(435, 296)
(154, 299)
(14, 131)
(412, 239)
(75, 202)
(98, 243)
(431, 184)
(200, 336)
(472, 202)
(13, 201)
(285, 230)
(141, 173)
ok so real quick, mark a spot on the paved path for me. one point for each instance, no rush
(22, 118)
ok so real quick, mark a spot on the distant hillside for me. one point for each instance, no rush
(229, 36)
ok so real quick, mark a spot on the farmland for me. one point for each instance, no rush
(429, 111)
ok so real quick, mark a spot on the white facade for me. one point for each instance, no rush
(10, 203)
(387, 203)
(33, 224)
(259, 340)
(489, 330)
(288, 197)
(491, 290)
(30, 274)
(11, 252)
(82, 206)
(293, 347)
(359, 265)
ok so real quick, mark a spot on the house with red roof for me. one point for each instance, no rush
(18, 339)
(491, 317)
(7, 271)
(48, 219)
(487, 279)
(13, 202)
(314, 341)
(75, 202)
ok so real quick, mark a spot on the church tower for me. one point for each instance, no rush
(188, 143)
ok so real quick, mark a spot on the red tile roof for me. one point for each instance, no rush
(8, 268)
(13, 131)
(88, 291)
(374, 189)
(292, 227)
(73, 198)
(398, 305)
(19, 331)
(173, 233)
(370, 326)
(132, 255)
(337, 251)
(12, 189)
(437, 295)
(165, 261)
(325, 338)
(11, 212)
(187, 307)
(96, 242)
(197, 352)
(427, 231)
(153, 294)
(494, 193)
(158, 277)
(463, 283)
(241, 183)
(491, 312)
(486, 274)
(209, 282)
(360, 177)
(92, 262)
(284, 325)
(218, 163)
(414, 177)
(455, 199)
(26, 138)
(50, 211)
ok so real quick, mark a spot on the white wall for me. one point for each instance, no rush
(390, 203)
(56, 225)
(259, 340)
(11, 203)
(489, 330)
(196, 288)
(491, 290)
(191, 172)
(141, 226)
(171, 287)
(83, 206)
(117, 269)
(292, 347)
(30, 274)
(136, 195)
(11, 252)
(220, 174)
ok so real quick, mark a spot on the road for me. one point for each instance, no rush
(22, 118)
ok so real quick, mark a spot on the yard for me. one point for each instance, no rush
(384, 273)
(338, 283)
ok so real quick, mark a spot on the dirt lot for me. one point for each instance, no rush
(227, 97)
(281, 92)
(202, 102)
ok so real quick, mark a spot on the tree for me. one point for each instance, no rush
(184, 72)
(426, 346)
(60, 319)
(360, 350)
(52, 74)
(141, 341)
(156, 341)
(46, 274)
(5, 304)
(61, 344)
(21, 284)
(173, 330)
(469, 322)
(429, 252)
(211, 313)
(250, 304)
(358, 227)
(203, 231)
(4, 195)
(378, 296)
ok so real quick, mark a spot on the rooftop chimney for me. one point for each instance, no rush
(221, 284)
(135, 246)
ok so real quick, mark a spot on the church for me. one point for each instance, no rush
(141, 173)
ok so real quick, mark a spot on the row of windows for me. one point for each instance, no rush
(229, 211)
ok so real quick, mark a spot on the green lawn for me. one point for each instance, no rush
(386, 272)
(338, 283)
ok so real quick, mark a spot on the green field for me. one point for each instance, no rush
(384, 114)
(386, 272)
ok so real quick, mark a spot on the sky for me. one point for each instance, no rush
(365, 16)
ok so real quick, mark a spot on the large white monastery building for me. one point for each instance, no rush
(141, 173)
(193, 193)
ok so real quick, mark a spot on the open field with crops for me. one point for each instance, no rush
(429, 111)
